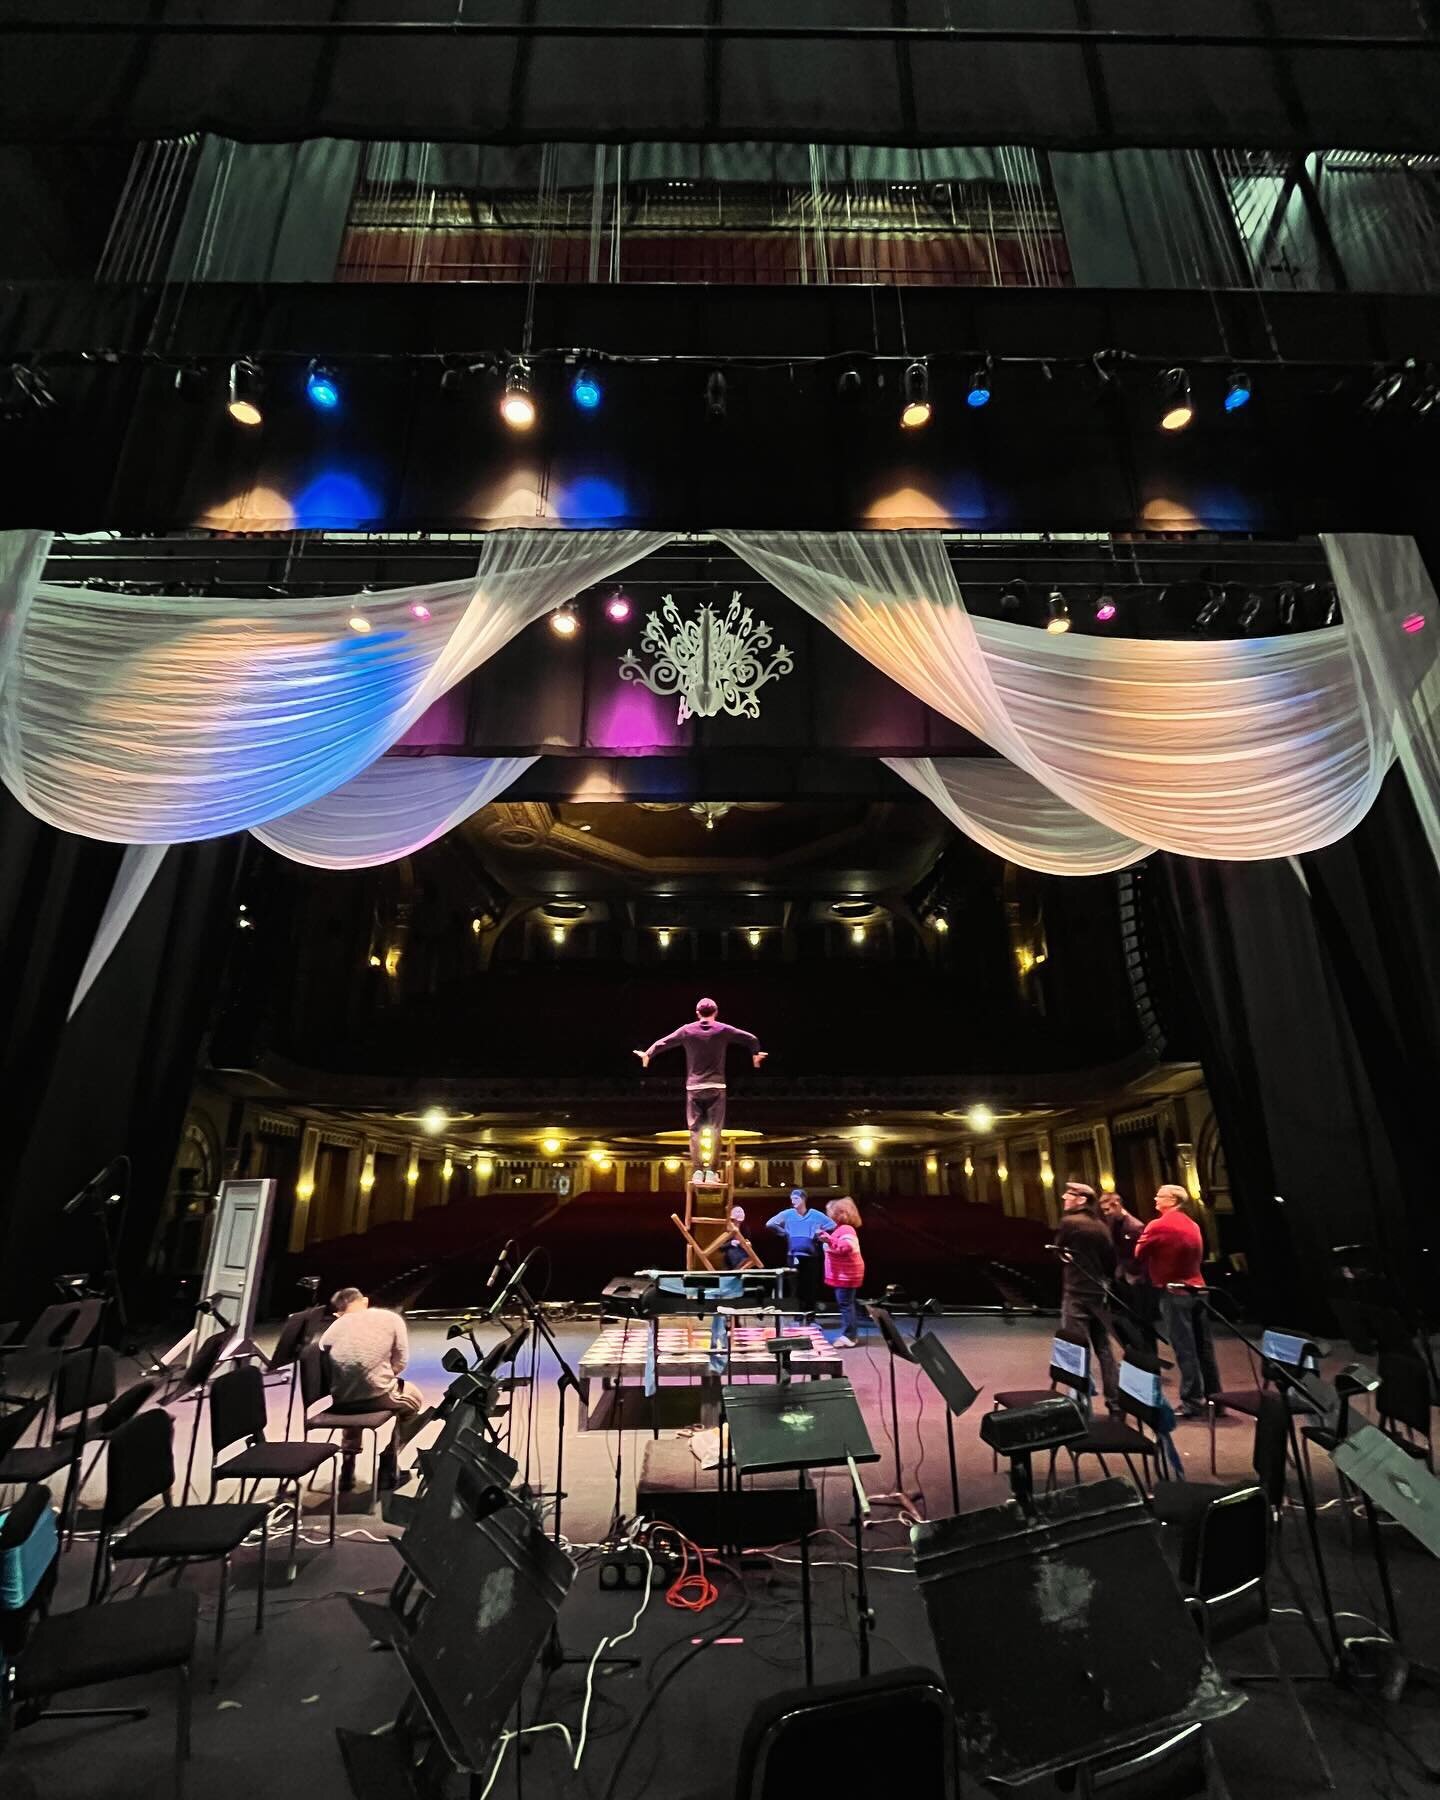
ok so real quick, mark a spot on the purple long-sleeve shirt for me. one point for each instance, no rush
(705, 1043)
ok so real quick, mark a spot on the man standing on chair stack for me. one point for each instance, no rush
(705, 1044)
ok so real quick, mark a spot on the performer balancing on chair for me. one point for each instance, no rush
(705, 1044)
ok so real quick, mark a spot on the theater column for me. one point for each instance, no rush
(304, 1187)
(365, 1187)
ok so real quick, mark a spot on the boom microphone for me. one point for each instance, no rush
(500, 1262)
(515, 1279)
(97, 1181)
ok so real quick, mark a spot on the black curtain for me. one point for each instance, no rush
(115, 1078)
(1317, 988)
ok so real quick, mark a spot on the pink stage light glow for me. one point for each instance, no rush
(1415, 622)
(617, 607)
(419, 609)
(1104, 614)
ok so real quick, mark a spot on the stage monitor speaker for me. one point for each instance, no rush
(627, 1297)
(1061, 1632)
(768, 1509)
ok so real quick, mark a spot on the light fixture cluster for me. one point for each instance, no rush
(1177, 403)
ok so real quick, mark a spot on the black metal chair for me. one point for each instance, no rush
(36, 1360)
(21, 1464)
(55, 1653)
(141, 1468)
(1229, 1595)
(1139, 1398)
(1403, 1404)
(846, 1734)
(1184, 1504)
(1289, 1350)
(237, 1411)
(98, 1432)
(190, 1384)
(315, 1387)
(1062, 1348)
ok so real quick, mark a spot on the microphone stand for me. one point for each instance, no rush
(95, 1196)
(566, 1379)
(1289, 1384)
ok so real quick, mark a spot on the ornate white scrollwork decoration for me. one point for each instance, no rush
(715, 665)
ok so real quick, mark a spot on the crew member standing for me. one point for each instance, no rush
(844, 1266)
(1089, 1254)
(1134, 1303)
(705, 1044)
(801, 1225)
(1170, 1250)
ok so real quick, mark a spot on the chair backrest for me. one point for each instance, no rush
(1138, 1391)
(1230, 1563)
(1272, 1440)
(291, 1339)
(202, 1364)
(29, 1552)
(847, 1734)
(314, 1375)
(124, 1408)
(16, 1422)
(1070, 1363)
(1403, 1397)
(140, 1466)
(51, 1324)
(237, 1408)
(77, 1389)
(83, 1325)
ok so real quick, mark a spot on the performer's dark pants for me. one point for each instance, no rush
(704, 1106)
(1089, 1317)
(807, 1281)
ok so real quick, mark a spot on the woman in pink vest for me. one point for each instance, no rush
(844, 1266)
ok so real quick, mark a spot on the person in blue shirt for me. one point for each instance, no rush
(800, 1228)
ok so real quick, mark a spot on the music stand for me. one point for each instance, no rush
(468, 1648)
(1390, 1478)
(899, 1350)
(1074, 1591)
(954, 1388)
(775, 1428)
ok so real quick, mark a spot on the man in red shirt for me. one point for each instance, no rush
(1170, 1250)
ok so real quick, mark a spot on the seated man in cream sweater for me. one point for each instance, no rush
(368, 1349)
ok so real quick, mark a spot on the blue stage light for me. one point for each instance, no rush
(979, 394)
(585, 390)
(322, 387)
(1237, 394)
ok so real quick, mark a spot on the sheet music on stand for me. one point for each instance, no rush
(1398, 1484)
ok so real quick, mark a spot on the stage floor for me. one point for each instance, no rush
(268, 1726)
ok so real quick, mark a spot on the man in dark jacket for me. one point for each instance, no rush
(1088, 1253)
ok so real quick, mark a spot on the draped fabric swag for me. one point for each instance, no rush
(153, 720)
(160, 719)
(1236, 749)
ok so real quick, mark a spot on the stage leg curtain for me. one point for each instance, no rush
(1240, 749)
(162, 719)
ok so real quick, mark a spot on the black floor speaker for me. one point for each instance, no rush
(769, 1509)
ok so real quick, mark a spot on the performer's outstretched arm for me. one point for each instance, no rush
(664, 1043)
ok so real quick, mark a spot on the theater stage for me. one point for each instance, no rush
(268, 1726)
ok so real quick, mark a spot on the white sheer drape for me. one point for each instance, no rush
(138, 868)
(392, 809)
(1235, 749)
(1010, 813)
(161, 719)
(1389, 607)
